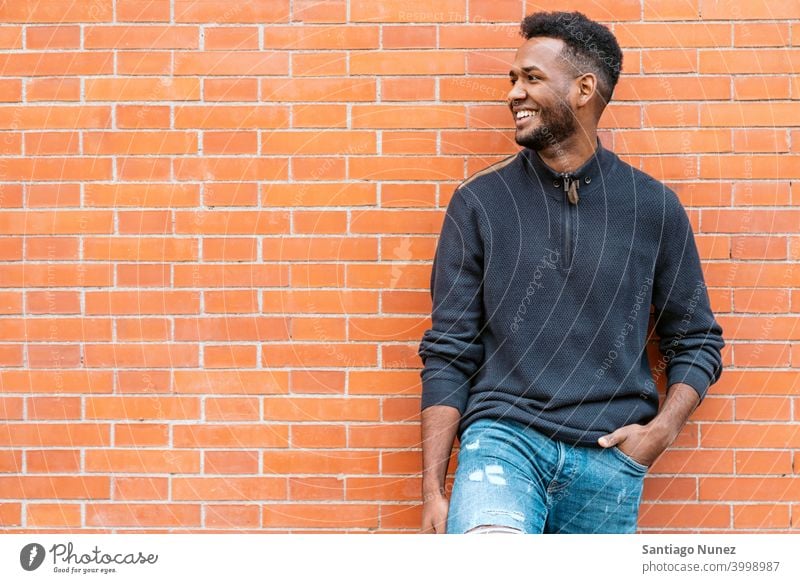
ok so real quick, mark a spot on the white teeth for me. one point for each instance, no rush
(525, 113)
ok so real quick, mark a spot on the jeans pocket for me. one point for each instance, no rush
(629, 460)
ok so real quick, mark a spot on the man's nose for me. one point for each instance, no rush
(516, 92)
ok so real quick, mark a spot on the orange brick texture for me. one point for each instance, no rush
(217, 221)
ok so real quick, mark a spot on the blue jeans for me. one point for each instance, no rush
(513, 476)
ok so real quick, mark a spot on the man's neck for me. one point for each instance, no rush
(571, 154)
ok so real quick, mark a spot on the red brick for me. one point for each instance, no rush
(319, 10)
(76, 381)
(143, 89)
(71, 63)
(236, 142)
(398, 116)
(227, 383)
(327, 461)
(143, 515)
(11, 408)
(144, 62)
(255, 11)
(54, 11)
(143, 10)
(231, 38)
(141, 434)
(669, 488)
(68, 515)
(141, 37)
(238, 489)
(230, 462)
(11, 37)
(235, 436)
(54, 407)
(142, 116)
(319, 435)
(755, 9)
(759, 355)
(321, 409)
(385, 435)
(310, 488)
(146, 488)
(666, 516)
(143, 461)
(750, 435)
(407, 11)
(231, 63)
(54, 434)
(236, 516)
(409, 37)
(326, 63)
(61, 487)
(53, 461)
(10, 514)
(750, 489)
(53, 37)
(379, 488)
(320, 515)
(763, 462)
(407, 89)
(761, 516)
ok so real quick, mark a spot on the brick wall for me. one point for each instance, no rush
(217, 224)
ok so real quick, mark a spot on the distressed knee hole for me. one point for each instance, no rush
(494, 529)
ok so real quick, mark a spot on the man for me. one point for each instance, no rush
(542, 282)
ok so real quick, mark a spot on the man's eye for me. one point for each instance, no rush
(530, 78)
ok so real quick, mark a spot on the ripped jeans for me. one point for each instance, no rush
(519, 480)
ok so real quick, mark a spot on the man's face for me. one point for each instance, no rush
(539, 95)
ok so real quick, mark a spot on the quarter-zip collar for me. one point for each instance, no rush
(570, 184)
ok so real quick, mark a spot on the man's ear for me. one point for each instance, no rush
(587, 88)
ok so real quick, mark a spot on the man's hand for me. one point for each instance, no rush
(643, 443)
(434, 513)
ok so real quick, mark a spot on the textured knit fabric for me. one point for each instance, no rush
(541, 305)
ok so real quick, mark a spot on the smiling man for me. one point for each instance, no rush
(543, 278)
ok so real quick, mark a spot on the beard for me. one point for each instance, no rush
(554, 126)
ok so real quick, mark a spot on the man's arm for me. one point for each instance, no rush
(451, 350)
(679, 404)
(439, 427)
(690, 339)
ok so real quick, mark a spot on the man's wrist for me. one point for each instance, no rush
(679, 405)
(433, 493)
(667, 426)
(666, 429)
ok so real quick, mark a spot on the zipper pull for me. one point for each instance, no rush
(571, 188)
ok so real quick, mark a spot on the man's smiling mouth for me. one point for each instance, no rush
(523, 117)
(523, 113)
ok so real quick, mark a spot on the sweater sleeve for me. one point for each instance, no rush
(451, 350)
(690, 338)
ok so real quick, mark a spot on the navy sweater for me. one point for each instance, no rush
(542, 285)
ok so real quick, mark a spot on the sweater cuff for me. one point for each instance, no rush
(444, 392)
(693, 376)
